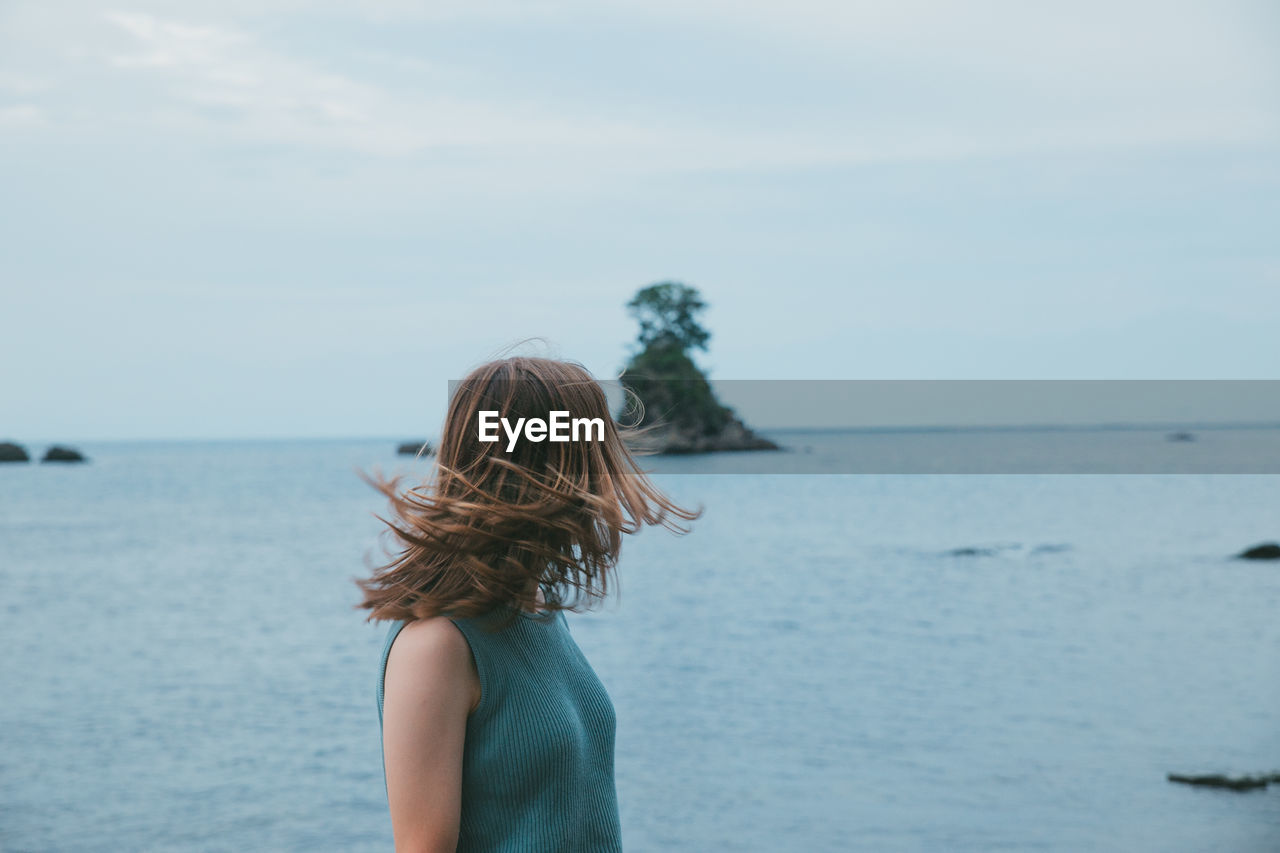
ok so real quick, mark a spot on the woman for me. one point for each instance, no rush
(497, 734)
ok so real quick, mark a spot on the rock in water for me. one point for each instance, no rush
(10, 452)
(412, 448)
(1232, 783)
(679, 412)
(970, 551)
(58, 453)
(1265, 551)
(733, 435)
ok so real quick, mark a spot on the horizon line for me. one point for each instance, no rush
(1099, 426)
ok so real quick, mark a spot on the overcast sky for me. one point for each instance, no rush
(286, 218)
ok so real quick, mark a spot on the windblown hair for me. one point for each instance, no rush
(490, 527)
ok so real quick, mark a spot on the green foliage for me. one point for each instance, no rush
(668, 316)
(673, 389)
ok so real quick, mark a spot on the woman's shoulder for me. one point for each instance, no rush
(430, 639)
(437, 654)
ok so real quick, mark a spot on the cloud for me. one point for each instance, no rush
(218, 78)
(215, 76)
(830, 84)
(942, 81)
(1092, 72)
(22, 84)
(22, 115)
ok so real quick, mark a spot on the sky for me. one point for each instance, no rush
(286, 219)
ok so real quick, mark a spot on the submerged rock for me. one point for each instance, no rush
(1265, 551)
(413, 448)
(1181, 436)
(992, 550)
(10, 452)
(1231, 783)
(58, 453)
(971, 551)
(1050, 549)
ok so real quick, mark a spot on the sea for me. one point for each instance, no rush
(825, 662)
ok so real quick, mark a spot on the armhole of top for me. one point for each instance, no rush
(481, 667)
(392, 633)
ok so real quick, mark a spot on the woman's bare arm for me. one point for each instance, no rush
(430, 687)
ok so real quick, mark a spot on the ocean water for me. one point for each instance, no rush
(812, 668)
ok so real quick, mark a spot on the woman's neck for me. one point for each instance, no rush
(539, 601)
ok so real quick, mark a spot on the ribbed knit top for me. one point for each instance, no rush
(537, 767)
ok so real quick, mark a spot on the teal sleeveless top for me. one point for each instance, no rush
(537, 767)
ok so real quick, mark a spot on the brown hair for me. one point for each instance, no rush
(491, 525)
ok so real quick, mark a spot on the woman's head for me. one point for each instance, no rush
(533, 485)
